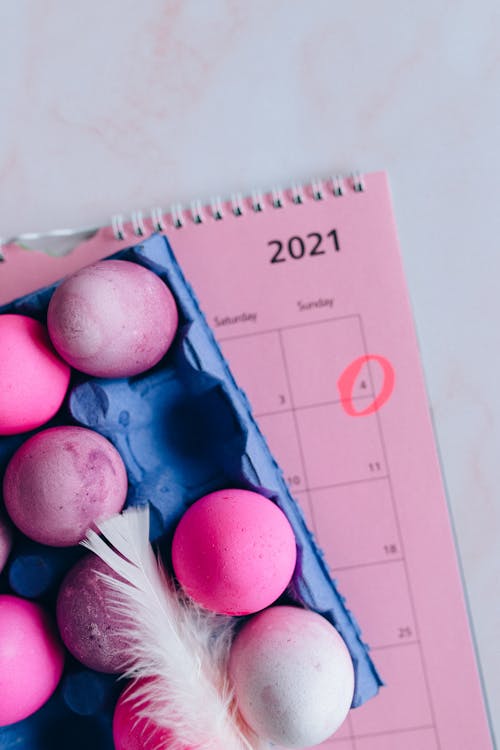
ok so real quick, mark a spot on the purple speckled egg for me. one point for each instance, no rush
(86, 621)
(5, 542)
(113, 319)
(60, 482)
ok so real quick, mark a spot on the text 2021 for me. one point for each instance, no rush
(297, 247)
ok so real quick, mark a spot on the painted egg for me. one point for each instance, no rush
(86, 621)
(31, 659)
(113, 319)
(5, 542)
(33, 378)
(234, 552)
(131, 731)
(61, 481)
(293, 676)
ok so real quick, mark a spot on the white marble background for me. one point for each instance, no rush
(109, 105)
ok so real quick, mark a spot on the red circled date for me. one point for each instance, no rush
(346, 381)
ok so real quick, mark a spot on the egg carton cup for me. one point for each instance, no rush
(183, 429)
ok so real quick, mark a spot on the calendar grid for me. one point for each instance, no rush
(406, 730)
(290, 327)
(293, 409)
(395, 645)
(396, 516)
(317, 404)
(355, 566)
(297, 431)
(348, 722)
(339, 484)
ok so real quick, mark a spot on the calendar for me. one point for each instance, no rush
(349, 504)
(305, 292)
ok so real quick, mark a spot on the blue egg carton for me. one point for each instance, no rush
(183, 429)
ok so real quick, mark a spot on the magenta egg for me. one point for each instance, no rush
(33, 378)
(234, 552)
(131, 731)
(5, 542)
(31, 659)
(86, 620)
(113, 319)
(61, 481)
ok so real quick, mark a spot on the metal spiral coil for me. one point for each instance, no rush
(139, 224)
(217, 209)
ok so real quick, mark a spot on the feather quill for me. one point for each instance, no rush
(183, 647)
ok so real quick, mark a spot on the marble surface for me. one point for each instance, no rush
(120, 105)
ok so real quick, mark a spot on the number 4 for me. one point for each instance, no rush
(345, 385)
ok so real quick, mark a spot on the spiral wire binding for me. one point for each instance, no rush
(237, 204)
(277, 197)
(157, 219)
(358, 183)
(298, 194)
(176, 214)
(217, 208)
(258, 202)
(317, 190)
(197, 212)
(337, 187)
(138, 224)
(118, 226)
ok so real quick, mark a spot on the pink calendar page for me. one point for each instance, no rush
(309, 304)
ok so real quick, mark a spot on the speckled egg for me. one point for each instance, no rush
(234, 552)
(5, 542)
(61, 481)
(31, 659)
(87, 623)
(133, 732)
(113, 319)
(293, 676)
(33, 378)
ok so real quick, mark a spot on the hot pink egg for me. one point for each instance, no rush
(234, 552)
(113, 319)
(293, 676)
(133, 732)
(62, 481)
(33, 378)
(31, 659)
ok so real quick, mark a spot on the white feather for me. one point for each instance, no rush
(182, 646)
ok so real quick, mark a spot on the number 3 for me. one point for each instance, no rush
(345, 385)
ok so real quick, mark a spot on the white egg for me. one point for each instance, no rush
(293, 676)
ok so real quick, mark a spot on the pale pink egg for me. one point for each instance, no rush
(293, 676)
(31, 659)
(61, 481)
(33, 378)
(234, 552)
(113, 319)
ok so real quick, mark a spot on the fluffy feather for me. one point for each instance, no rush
(171, 639)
